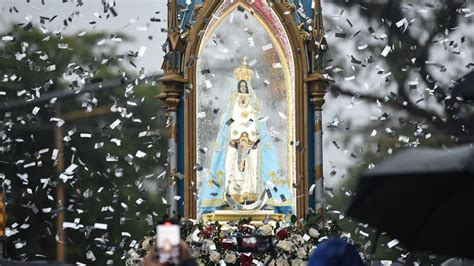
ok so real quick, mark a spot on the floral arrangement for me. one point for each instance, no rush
(214, 243)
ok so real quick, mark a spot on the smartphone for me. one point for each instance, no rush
(255, 244)
(168, 238)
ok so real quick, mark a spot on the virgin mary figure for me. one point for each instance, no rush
(244, 163)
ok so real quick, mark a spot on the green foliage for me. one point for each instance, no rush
(110, 182)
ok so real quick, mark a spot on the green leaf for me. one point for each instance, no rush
(294, 219)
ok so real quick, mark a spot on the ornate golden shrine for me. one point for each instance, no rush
(184, 42)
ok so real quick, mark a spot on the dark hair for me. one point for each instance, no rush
(238, 86)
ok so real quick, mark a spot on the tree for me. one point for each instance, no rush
(112, 144)
(401, 61)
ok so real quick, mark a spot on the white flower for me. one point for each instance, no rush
(226, 227)
(189, 238)
(147, 243)
(207, 244)
(301, 253)
(266, 229)
(285, 245)
(271, 261)
(230, 258)
(297, 239)
(282, 261)
(214, 256)
(134, 258)
(298, 262)
(313, 233)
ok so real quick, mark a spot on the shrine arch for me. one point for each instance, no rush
(296, 73)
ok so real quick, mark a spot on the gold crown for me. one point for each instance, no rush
(243, 72)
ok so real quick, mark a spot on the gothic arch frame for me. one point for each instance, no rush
(285, 12)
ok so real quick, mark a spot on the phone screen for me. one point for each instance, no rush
(259, 244)
(168, 239)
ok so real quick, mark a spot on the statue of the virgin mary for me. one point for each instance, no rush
(244, 166)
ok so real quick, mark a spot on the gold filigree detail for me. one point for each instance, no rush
(304, 34)
(243, 100)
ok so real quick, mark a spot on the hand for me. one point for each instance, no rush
(151, 258)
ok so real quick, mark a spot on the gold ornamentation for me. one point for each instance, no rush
(217, 180)
(277, 180)
(228, 215)
(235, 132)
(243, 72)
(245, 114)
(304, 34)
(243, 100)
(247, 196)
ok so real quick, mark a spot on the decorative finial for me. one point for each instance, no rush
(243, 72)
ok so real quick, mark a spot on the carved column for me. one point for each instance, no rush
(173, 81)
(171, 98)
(317, 86)
(317, 83)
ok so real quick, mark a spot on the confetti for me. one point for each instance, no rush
(385, 51)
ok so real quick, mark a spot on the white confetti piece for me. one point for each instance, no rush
(90, 255)
(35, 110)
(267, 46)
(86, 135)
(29, 165)
(208, 83)
(251, 42)
(70, 169)
(141, 52)
(276, 65)
(140, 154)
(392, 243)
(100, 226)
(115, 124)
(51, 68)
(374, 132)
(401, 22)
(385, 51)
(69, 225)
(117, 142)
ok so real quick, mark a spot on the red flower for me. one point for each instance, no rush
(282, 234)
(246, 260)
(227, 243)
(206, 233)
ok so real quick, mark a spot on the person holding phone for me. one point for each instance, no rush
(152, 258)
(169, 248)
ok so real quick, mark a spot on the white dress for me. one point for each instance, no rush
(242, 182)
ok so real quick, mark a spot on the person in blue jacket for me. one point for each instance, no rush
(335, 252)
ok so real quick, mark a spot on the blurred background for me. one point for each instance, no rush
(398, 68)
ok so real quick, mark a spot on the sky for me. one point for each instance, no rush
(133, 18)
